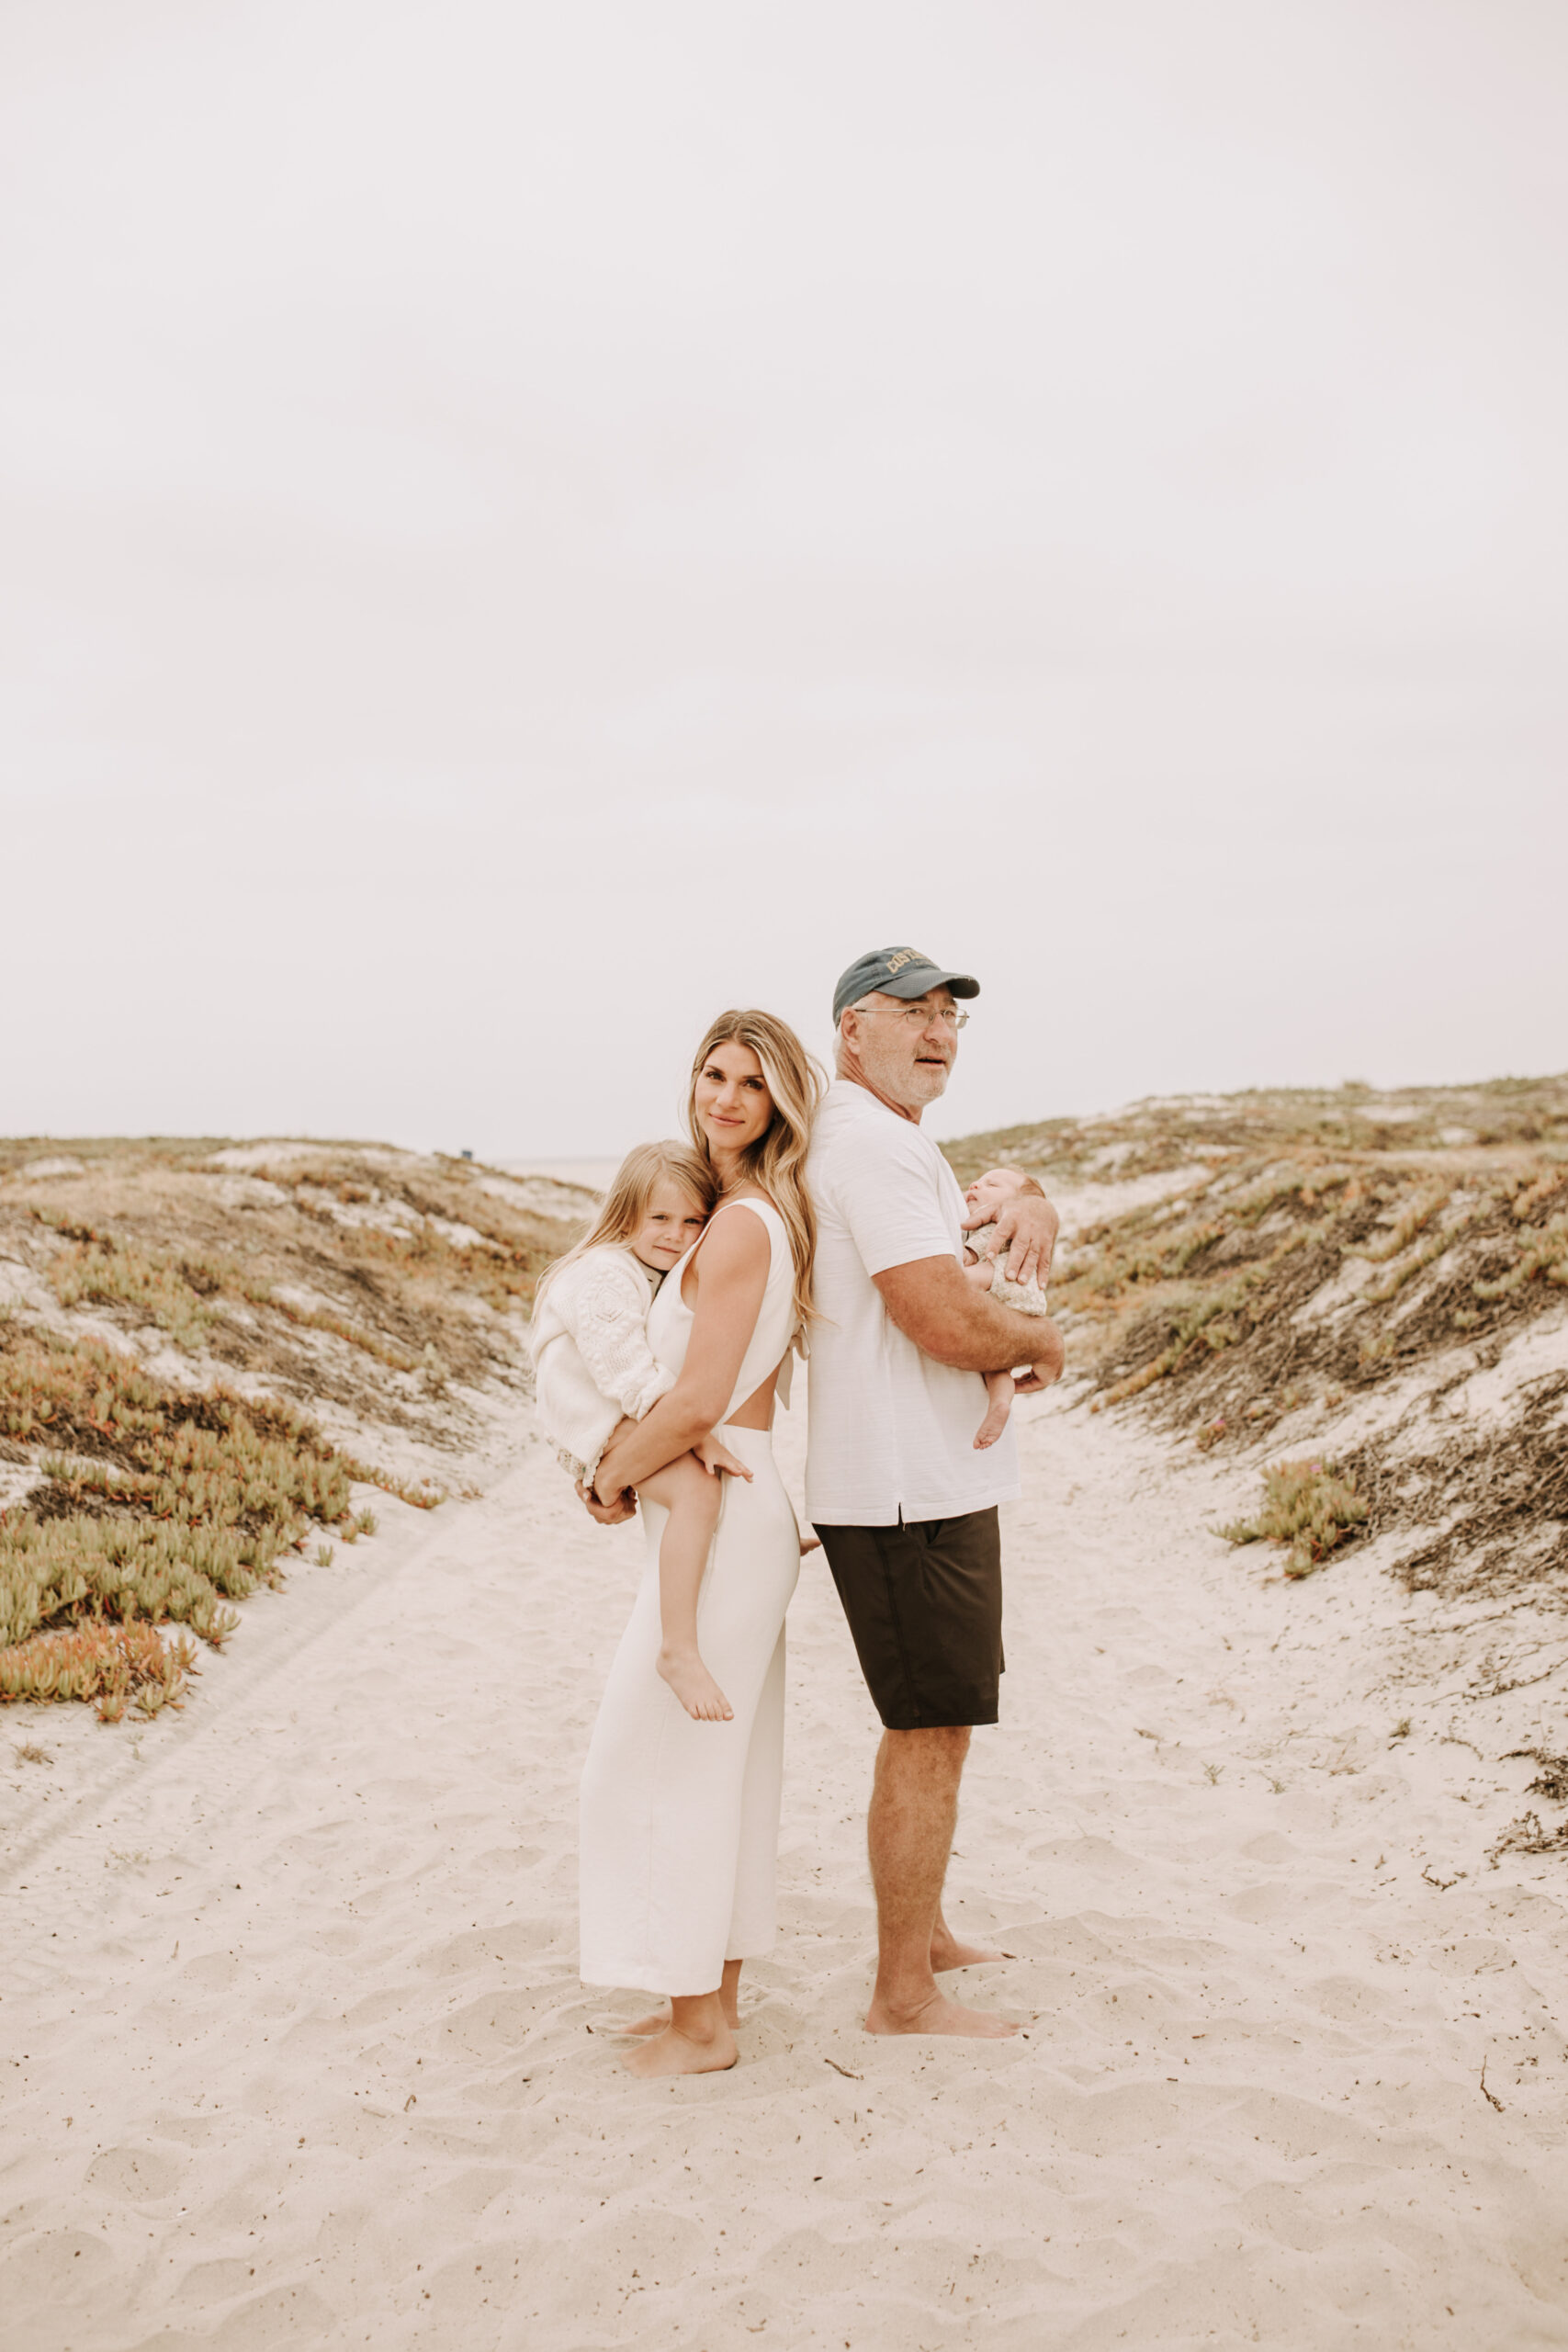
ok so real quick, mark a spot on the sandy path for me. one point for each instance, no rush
(316, 2070)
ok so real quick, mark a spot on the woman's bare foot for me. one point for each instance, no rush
(671, 2053)
(938, 2014)
(694, 1687)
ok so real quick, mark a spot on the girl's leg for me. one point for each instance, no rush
(999, 1393)
(691, 1496)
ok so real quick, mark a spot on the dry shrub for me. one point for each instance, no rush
(1207, 1291)
(177, 1294)
(1326, 1245)
(118, 1666)
(1174, 1132)
(1308, 1505)
(1526, 1835)
(159, 1505)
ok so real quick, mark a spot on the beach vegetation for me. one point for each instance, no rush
(1309, 1506)
(380, 1289)
(154, 1506)
(1287, 1255)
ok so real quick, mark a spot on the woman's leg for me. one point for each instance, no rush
(753, 1917)
(691, 1496)
(662, 1796)
(728, 2001)
(697, 2041)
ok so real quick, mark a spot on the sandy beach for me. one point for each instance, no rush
(525, 527)
(296, 2051)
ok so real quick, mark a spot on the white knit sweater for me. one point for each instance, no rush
(592, 1366)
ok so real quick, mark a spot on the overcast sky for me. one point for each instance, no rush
(525, 524)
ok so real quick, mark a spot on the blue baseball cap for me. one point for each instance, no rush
(896, 971)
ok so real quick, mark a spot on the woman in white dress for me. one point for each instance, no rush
(681, 1818)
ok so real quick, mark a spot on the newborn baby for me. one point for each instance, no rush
(986, 1196)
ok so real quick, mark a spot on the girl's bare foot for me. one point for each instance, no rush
(669, 2052)
(694, 1687)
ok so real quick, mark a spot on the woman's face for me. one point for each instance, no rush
(733, 1105)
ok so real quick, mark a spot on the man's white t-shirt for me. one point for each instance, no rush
(892, 1431)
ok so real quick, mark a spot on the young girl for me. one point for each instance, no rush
(594, 1372)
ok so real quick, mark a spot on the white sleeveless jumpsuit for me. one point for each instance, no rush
(680, 1820)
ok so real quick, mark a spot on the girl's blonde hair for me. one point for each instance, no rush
(632, 1187)
(776, 1161)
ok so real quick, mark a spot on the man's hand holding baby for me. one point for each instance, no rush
(1026, 1223)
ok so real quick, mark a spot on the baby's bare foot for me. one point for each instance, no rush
(694, 1687)
(993, 1425)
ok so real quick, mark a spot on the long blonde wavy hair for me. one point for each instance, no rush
(633, 1185)
(776, 1161)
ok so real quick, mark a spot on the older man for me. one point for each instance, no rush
(905, 1505)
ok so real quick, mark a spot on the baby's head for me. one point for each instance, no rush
(990, 1194)
(662, 1195)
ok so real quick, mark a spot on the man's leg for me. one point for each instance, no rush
(914, 1809)
(949, 1950)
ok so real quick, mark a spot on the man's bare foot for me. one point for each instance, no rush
(669, 2053)
(939, 2014)
(694, 1687)
(948, 1952)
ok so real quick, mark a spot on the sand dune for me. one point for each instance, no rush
(295, 2049)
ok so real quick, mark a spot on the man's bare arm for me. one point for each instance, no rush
(934, 1306)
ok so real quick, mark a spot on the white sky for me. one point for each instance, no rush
(522, 524)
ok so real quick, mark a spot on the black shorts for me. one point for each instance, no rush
(924, 1602)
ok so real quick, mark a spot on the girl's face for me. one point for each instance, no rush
(733, 1105)
(670, 1223)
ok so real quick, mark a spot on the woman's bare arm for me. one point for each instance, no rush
(731, 1273)
(935, 1305)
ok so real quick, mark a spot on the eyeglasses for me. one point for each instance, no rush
(918, 1016)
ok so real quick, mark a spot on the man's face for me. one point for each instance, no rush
(905, 1047)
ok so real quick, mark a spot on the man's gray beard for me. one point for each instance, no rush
(924, 1101)
(891, 1084)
